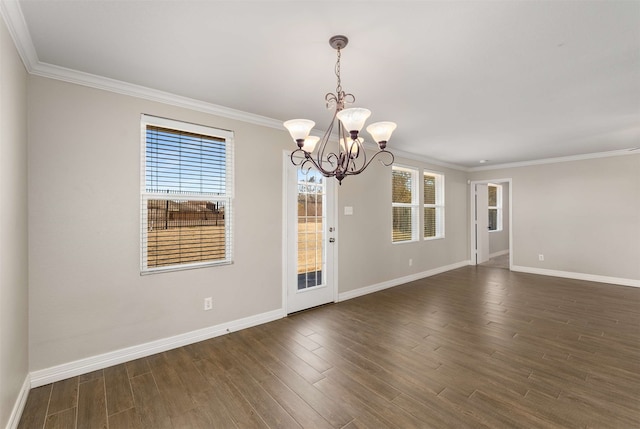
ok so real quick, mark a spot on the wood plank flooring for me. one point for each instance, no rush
(476, 347)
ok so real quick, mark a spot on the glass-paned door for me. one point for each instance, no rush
(311, 234)
(311, 222)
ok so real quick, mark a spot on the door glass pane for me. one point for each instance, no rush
(493, 195)
(311, 222)
(493, 219)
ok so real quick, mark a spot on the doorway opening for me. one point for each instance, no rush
(309, 236)
(491, 223)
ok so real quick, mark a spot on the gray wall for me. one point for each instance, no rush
(583, 216)
(367, 255)
(499, 240)
(13, 226)
(86, 294)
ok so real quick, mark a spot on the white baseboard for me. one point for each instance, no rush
(105, 360)
(500, 253)
(18, 407)
(578, 276)
(395, 282)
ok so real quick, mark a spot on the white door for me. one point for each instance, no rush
(482, 223)
(311, 234)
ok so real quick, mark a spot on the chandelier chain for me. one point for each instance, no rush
(339, 87)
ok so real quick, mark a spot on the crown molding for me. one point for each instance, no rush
(107, 84)
(621, 152)
(17, 26)
(427, 160)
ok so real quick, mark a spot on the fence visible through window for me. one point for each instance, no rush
(186, 195)
(180, 232)
(311, 222)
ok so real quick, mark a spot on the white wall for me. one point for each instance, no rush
(583, 216)
(13, 227)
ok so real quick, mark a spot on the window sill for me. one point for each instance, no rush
(172, 268)
(439, 237)
(404, 242)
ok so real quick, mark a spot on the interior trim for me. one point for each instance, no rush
(105, 360)
(396, 282)
(21, 400)
(578, 276)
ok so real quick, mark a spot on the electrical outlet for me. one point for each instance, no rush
(541, 257)
(410, 262)
(208, 303)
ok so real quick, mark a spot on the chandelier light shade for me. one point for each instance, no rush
(349, 157)
(353, 119)
(299, 128)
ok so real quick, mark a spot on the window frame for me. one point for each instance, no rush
(414, 205)
(497, 207)
(439, 204)
(226, 199)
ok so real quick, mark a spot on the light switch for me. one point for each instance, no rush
(348, 210)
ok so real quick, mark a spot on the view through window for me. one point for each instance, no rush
(186, 195)
(311, 222)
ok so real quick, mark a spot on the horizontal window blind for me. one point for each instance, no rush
(402, 186)
(433, 205)
(402, 224)
(179, 162)
(429, 189)
(404, 198)
(430, 222)
(186, 195)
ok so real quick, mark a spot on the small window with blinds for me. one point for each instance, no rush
(495, 207)
(404, 202)
(433, 205)
(186, 195)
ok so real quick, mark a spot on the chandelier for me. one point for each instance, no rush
(348, 157)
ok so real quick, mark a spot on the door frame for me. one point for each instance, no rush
(472, 217)
(286, 163)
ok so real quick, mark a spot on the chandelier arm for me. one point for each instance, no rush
(295, 160)
(359, 152)
(345, 153)
(386, 164)
(333, 159)
(301, 162)
(320, 155)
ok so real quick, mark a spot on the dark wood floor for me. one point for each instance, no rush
(471, 348)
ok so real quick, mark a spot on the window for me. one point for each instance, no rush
(433, 190)
(404, 202)
(186, 195)
(495, 207)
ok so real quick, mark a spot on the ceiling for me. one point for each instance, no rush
(503, 81)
